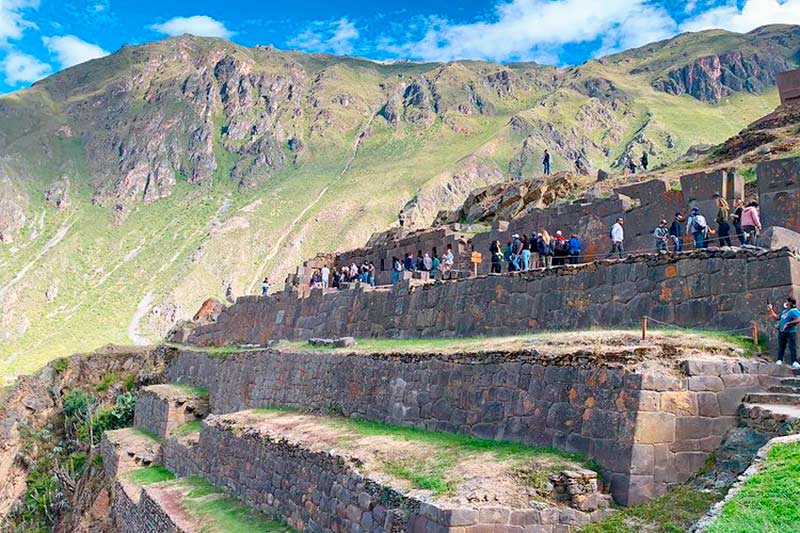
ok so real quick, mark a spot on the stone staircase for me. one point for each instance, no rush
(284, 464)
(776, 411)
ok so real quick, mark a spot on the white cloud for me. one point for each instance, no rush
(23, 68)
(522, 29)
(71, 50)
(200, 25)
(751, 15)
(335, 37)
(12, 18)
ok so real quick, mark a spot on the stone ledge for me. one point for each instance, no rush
(161, 409)
(125, 449)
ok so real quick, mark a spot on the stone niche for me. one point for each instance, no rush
(648, 430)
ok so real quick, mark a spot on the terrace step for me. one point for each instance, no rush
(126, 449)
(161, 409)
(182, 506)
(776, 398)
(332, 474)
(776, 419)
(785, 389)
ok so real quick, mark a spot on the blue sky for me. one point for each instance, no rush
(39, 37)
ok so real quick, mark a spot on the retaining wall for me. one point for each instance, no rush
(321, 491)
(140, 514)
(647, 430)
(717, 289)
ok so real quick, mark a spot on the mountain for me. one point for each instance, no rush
(134, 186)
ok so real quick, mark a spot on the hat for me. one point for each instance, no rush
(695, 210)
(558, 232)
(515, 236)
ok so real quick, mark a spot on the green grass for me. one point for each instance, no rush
(150, 474)
(189, 427)
(674, 512)
(223, 514)
(534, 463)
(769, 502)
(106, 381)
(148, 434)
(201, 392)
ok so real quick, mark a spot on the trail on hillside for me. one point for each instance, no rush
(54, 240)
(293, 225)
(141, 310)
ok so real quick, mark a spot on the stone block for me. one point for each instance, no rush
(680, 403)
(707, 404)
(706, 383)
(661, 382)
(654, 428)
(642, 459)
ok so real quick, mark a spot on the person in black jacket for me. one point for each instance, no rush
(644, 161)
(676, 233)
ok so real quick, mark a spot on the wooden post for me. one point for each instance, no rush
(474, 270)
(644, 327)
(755, 334)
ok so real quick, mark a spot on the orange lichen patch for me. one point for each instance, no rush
(671, 271)
(533, 323)
(621, 400)
(666, 294)
(589, 403)
(572, 394)
(499, 293)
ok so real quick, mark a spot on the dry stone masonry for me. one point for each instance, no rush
(161, 409)
(649, 431)
(716, 289)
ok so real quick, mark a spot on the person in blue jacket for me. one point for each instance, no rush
(574, 249)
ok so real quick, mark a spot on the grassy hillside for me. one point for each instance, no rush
(194, 164)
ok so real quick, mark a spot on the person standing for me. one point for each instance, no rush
(723, 226)
(427, 262)
(697, 227)
(516, 252)
(408, 265)
(526, 252)
(676, 233)
(435, 266)
(661, 235)
(631, 166)
(536, 239)
(787, 320)
(574, 249)
(644, 161)
(546, 162)
(508, 256)
(751, 223)
(397, 268)
(617, 235)
(264, 287)
(449, 260)
(546, 249)
(736, 218)
(497, 256)
(326, 276)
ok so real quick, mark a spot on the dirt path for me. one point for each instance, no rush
(141, 310)
(293, 225)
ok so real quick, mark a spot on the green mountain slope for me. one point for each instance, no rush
(134, 186)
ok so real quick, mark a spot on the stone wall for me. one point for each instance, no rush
(313, 491)
(139, 513)
(160, 409)
(717, 289)
(779, 193)
(647, 430)
(322, 491)
(642, 205)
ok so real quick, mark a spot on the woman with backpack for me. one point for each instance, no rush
(751, 223)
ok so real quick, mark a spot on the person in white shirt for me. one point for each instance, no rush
(617, 235)
(326, 276)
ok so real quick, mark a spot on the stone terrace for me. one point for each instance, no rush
(715, 289)
(650, 425)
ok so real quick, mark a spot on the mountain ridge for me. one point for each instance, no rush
(173, 168)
